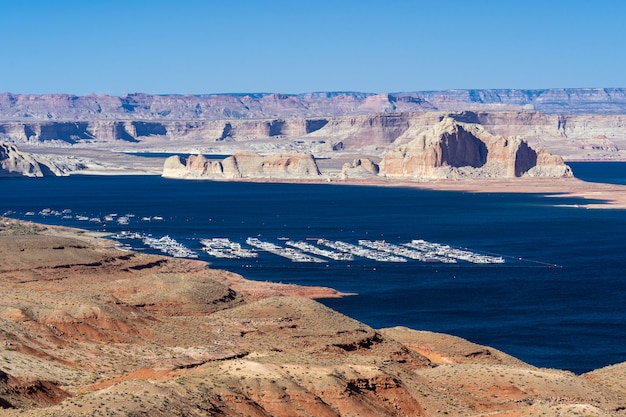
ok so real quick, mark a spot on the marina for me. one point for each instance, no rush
(221, 247)
(289, 253)
(314, 250)
(422, 256)
(307, 247)
(169, 246)
(447, 252)
(361, 251)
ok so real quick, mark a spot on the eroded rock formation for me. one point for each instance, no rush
(242, 166)
(360, 168)
(453, 149)
(14, 163)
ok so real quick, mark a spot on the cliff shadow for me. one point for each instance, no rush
(462, 149)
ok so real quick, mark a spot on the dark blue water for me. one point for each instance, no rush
(607, 172)
(559, 301)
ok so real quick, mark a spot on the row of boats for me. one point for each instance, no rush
(315, 250)
(300, 251)
(67, 214)
(377, 250)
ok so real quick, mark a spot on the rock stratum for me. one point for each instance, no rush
(573, 123)
(87, 329)
(142, 107)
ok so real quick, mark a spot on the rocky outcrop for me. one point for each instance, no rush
(453, 149)
(360, 168)
(14, 163)
(242, 166)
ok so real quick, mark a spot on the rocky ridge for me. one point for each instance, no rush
(144, 107)
(91, 330)
(14, 163)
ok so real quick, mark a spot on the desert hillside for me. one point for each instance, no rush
(88, 329)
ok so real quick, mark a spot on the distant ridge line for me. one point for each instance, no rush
(219, 106)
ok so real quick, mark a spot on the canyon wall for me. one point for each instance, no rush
(574, 123)
(572, 136)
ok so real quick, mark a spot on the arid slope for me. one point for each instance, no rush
(87, 329)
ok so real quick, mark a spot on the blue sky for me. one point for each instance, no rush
(198, 47)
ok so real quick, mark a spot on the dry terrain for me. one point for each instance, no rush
(88, 329)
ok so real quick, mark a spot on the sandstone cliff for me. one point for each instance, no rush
(453, 149)
(14, 163)
(242, 166)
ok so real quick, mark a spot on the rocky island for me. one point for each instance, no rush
(88, 329)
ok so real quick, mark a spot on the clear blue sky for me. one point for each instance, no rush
(294, 46)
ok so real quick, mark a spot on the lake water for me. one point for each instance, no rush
(558, 301)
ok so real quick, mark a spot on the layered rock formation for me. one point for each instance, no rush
(453, 149)
(572, 136)
(146, 107)
(242, 166)
(14, 163)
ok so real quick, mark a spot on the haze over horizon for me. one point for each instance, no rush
(278, 46)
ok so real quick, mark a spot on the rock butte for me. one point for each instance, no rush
(448, 150)
(87, 329)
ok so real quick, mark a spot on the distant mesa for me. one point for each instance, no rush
(143, 107)
(14, 163)
(455, 150)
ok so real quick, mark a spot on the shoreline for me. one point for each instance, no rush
(593, 194)
(256, 289)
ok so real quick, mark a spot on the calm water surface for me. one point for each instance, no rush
(559, 301)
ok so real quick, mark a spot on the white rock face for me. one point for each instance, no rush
(455, 150)
(241, 166)
(14, 163)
